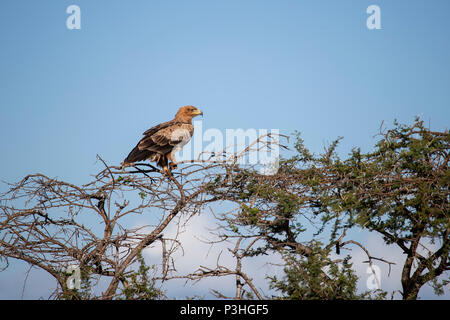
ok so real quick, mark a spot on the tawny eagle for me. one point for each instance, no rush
(160, 142)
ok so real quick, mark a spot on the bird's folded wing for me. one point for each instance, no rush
(164, 138)
(158, 127)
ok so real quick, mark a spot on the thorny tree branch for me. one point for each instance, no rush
(52, 224)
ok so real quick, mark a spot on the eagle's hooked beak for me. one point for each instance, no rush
(198, 112)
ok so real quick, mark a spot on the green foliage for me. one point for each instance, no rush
(399, 190)
(143, 195)
(401, 184)
(317, 277)
(84, 292)
(140, 286)
(438, 286)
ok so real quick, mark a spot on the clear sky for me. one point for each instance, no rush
(312, 66)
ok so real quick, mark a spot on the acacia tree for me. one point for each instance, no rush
(53, 224)
(400, 190)
(272, 215)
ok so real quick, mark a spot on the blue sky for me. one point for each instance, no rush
(312, 66)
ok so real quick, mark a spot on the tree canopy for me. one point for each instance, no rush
(399, 191)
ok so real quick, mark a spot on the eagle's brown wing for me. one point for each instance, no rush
(159, 141)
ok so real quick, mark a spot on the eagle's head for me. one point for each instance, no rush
(186, 113)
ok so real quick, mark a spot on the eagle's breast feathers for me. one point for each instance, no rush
(163, 141)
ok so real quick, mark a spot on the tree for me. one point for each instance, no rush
(272, 215)
(399, 191)
(52, 224)
(316, 277)
(139, 285)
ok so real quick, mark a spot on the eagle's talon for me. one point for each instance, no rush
(165, 170)
(173, 166)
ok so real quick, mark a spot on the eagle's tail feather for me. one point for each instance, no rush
(137, 155)
(160, 159)
(140, 155)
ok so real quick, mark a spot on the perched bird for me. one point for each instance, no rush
(160, 142)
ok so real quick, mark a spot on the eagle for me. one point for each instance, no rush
(161, 141)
